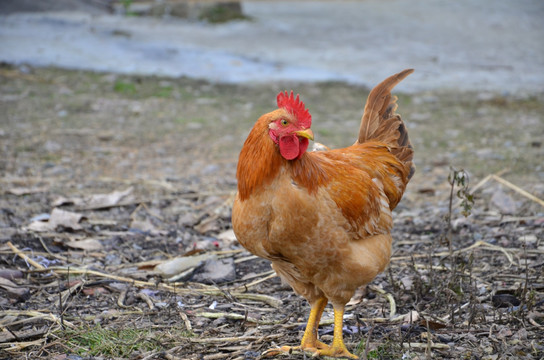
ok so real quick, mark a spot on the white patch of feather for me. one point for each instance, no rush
(319, 147)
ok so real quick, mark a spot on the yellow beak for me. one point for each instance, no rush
(306, 133)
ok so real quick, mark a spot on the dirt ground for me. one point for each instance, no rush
(143, 169)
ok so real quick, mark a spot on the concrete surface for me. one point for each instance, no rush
(485, 45)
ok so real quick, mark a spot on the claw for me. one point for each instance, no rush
(337, 352)
(309, 341)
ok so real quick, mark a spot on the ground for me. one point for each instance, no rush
(162, 153)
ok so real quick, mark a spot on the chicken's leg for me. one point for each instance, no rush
(337, 349)
(309, 340)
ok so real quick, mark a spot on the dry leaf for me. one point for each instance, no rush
(358, 296)
(95, 201)
(411, 317)
(227, 237)
(87, 244)
(433, 325)
(61, 200)
(407, 282)
(58, 217)
(25, 190)
(103, 201)
(180, 264)
(95, 291)
(14, 289)
(208, 225)
(145, 226)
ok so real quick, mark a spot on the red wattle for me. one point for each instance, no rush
(292, 147)
(302, 146)
(289, 147)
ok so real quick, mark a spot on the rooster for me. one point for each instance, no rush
(323, 218)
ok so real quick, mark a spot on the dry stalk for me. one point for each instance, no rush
(186, 321)
(33, 316)
(205, 290)
(215, 340)
(245, 258)
(272, 301)
(266, 273)
(121, 299)
(433, 345)
(234, 316)
(505, 251)
(23, 256)
(389, 297)
(20, 345)
(147, 300)
(224, 355)
(270, 275)
(367, 343)
(518, 189)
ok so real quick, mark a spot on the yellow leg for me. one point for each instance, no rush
(337, 349)
(309, 339)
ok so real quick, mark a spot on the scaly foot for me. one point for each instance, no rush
(313, 349)
(336, 351)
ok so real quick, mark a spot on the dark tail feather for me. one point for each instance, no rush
(381, 123)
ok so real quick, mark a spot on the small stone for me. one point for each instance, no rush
(216, 271)
(528, 239)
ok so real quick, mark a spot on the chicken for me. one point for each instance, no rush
(323, 218)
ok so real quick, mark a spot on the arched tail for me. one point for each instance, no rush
(381, 123)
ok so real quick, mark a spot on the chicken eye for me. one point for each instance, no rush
(284, 122)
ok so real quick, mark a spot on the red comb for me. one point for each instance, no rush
(295, 107)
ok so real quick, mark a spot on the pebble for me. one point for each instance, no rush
(216, 271)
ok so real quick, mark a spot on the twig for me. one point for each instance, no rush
(224, 355)
(234, 316)
(121, 299)
(518, 189)
(426, 345)
(231, 339)
(475, 245)
(147, 300)
(532, 316)
(272, 301)
(271, 274)
(186, 321)
(160, 183)
(18, 346)
(367, 343)
(490, 247)
(205, 194)
(33, 316)
(246, 258)
(206, 290)
(445, 318)
(428, 352)
(392, 304)
(266, 273)
(508, 219)
(24, 257)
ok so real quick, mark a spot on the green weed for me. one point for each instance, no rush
(99, 341)
(124, 88)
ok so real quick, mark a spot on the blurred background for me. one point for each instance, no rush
(466, 45)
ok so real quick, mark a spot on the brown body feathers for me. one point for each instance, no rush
(324, 219)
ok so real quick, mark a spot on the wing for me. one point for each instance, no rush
(365, 181)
